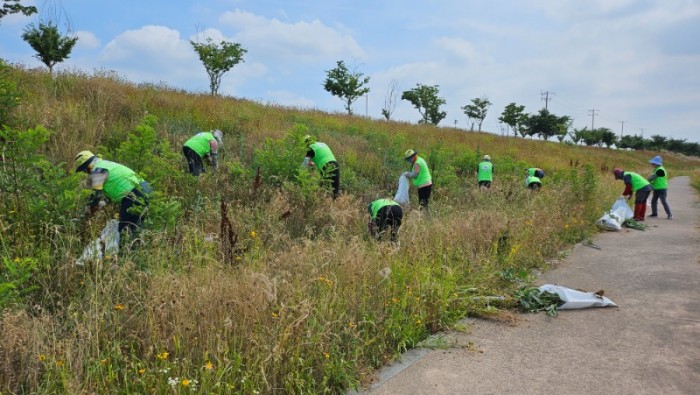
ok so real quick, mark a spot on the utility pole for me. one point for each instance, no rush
(642, 129)
(545, 98)
(622, 130)
(592, 112)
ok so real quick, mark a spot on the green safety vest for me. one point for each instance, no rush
(322, 154)
(200, 143)
(121, 180)
(532, 180)
(424, 173)
(660, 182)
(485, 171)
(638, 182)
(376, 205)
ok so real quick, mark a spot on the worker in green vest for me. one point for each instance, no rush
(659, 183)
(484, 173)
(118, 184)
(533, 178)
(320, 156)
(202, 145)
(384, 214)
(420, 174)
(641, 188)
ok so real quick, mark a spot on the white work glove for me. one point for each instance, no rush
(305, 162)
(102, 203)
(405, 174)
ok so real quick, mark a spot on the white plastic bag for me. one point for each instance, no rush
(574, 299)
(609, 222)
(402, 193)
(105, 245)
(622, 209)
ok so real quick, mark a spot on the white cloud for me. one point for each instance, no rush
(294, 42)
(153, 44)
(87, 40)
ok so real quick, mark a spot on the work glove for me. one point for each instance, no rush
(405, 174)
(214, 160)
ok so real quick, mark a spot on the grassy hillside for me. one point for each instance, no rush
(251, 279)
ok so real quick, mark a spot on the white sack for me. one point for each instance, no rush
(105, 245)
(576, 299)
(622, 209)
(402, 193)
(609, 222)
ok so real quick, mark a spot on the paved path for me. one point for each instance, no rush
(649, 345)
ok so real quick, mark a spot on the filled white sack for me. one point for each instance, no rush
(574, 299)
(107, 244)
(401, 196)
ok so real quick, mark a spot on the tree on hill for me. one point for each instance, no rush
(218, 59)
(50, 45)
(426, 100)
(477, 110)
(607, 137)
(346, 85)
(545, 124)
(513, 116)
(14, 7)
(658, 142)
(633, 142)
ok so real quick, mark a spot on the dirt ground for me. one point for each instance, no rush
(650, 344)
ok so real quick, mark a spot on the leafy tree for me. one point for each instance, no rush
(577, 135)
(658, 142)
(563, 129)
(513, 116)
(218, 59)
(390, 100)
(51, 47)
(14, 6)
(477, 110)
(425, 99)
(675, 145)
(545, 124)
(607, 137)
(347, 86)
(634, 142)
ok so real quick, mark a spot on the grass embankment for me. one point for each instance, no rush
(251, 279)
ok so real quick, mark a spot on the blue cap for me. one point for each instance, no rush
(656, 160)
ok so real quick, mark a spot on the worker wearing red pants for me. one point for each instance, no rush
(641, 188)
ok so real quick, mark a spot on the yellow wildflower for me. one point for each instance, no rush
(163, 356)
(566, 226)
(208, 365)
(17, 259)
(42, 358)
(327, 355)
(119, 306)
(104, 362)
(59, 363)
(253, 234)
(185, 383)
(142, 371)
(274, 315)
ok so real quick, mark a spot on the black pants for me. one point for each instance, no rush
(131, 210)
(641, 196)
(331, 176)
(424, 196)
(388, 216)
(486, 184)
(655, 196)
(194, 161)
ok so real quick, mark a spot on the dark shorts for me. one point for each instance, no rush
(194, 161)
(389, 216)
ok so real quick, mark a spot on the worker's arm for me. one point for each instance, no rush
(214, 153)
(414, 173)
(97, 179)
(307, 159)
(628, 186)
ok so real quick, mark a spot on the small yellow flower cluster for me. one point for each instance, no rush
(327, 355)
(119, 306)
(208, 365)
(253, 234)
(163, 355)
(352, 325)
(42, 358)
(328, 281)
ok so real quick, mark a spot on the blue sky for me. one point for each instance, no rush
(635, 61)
